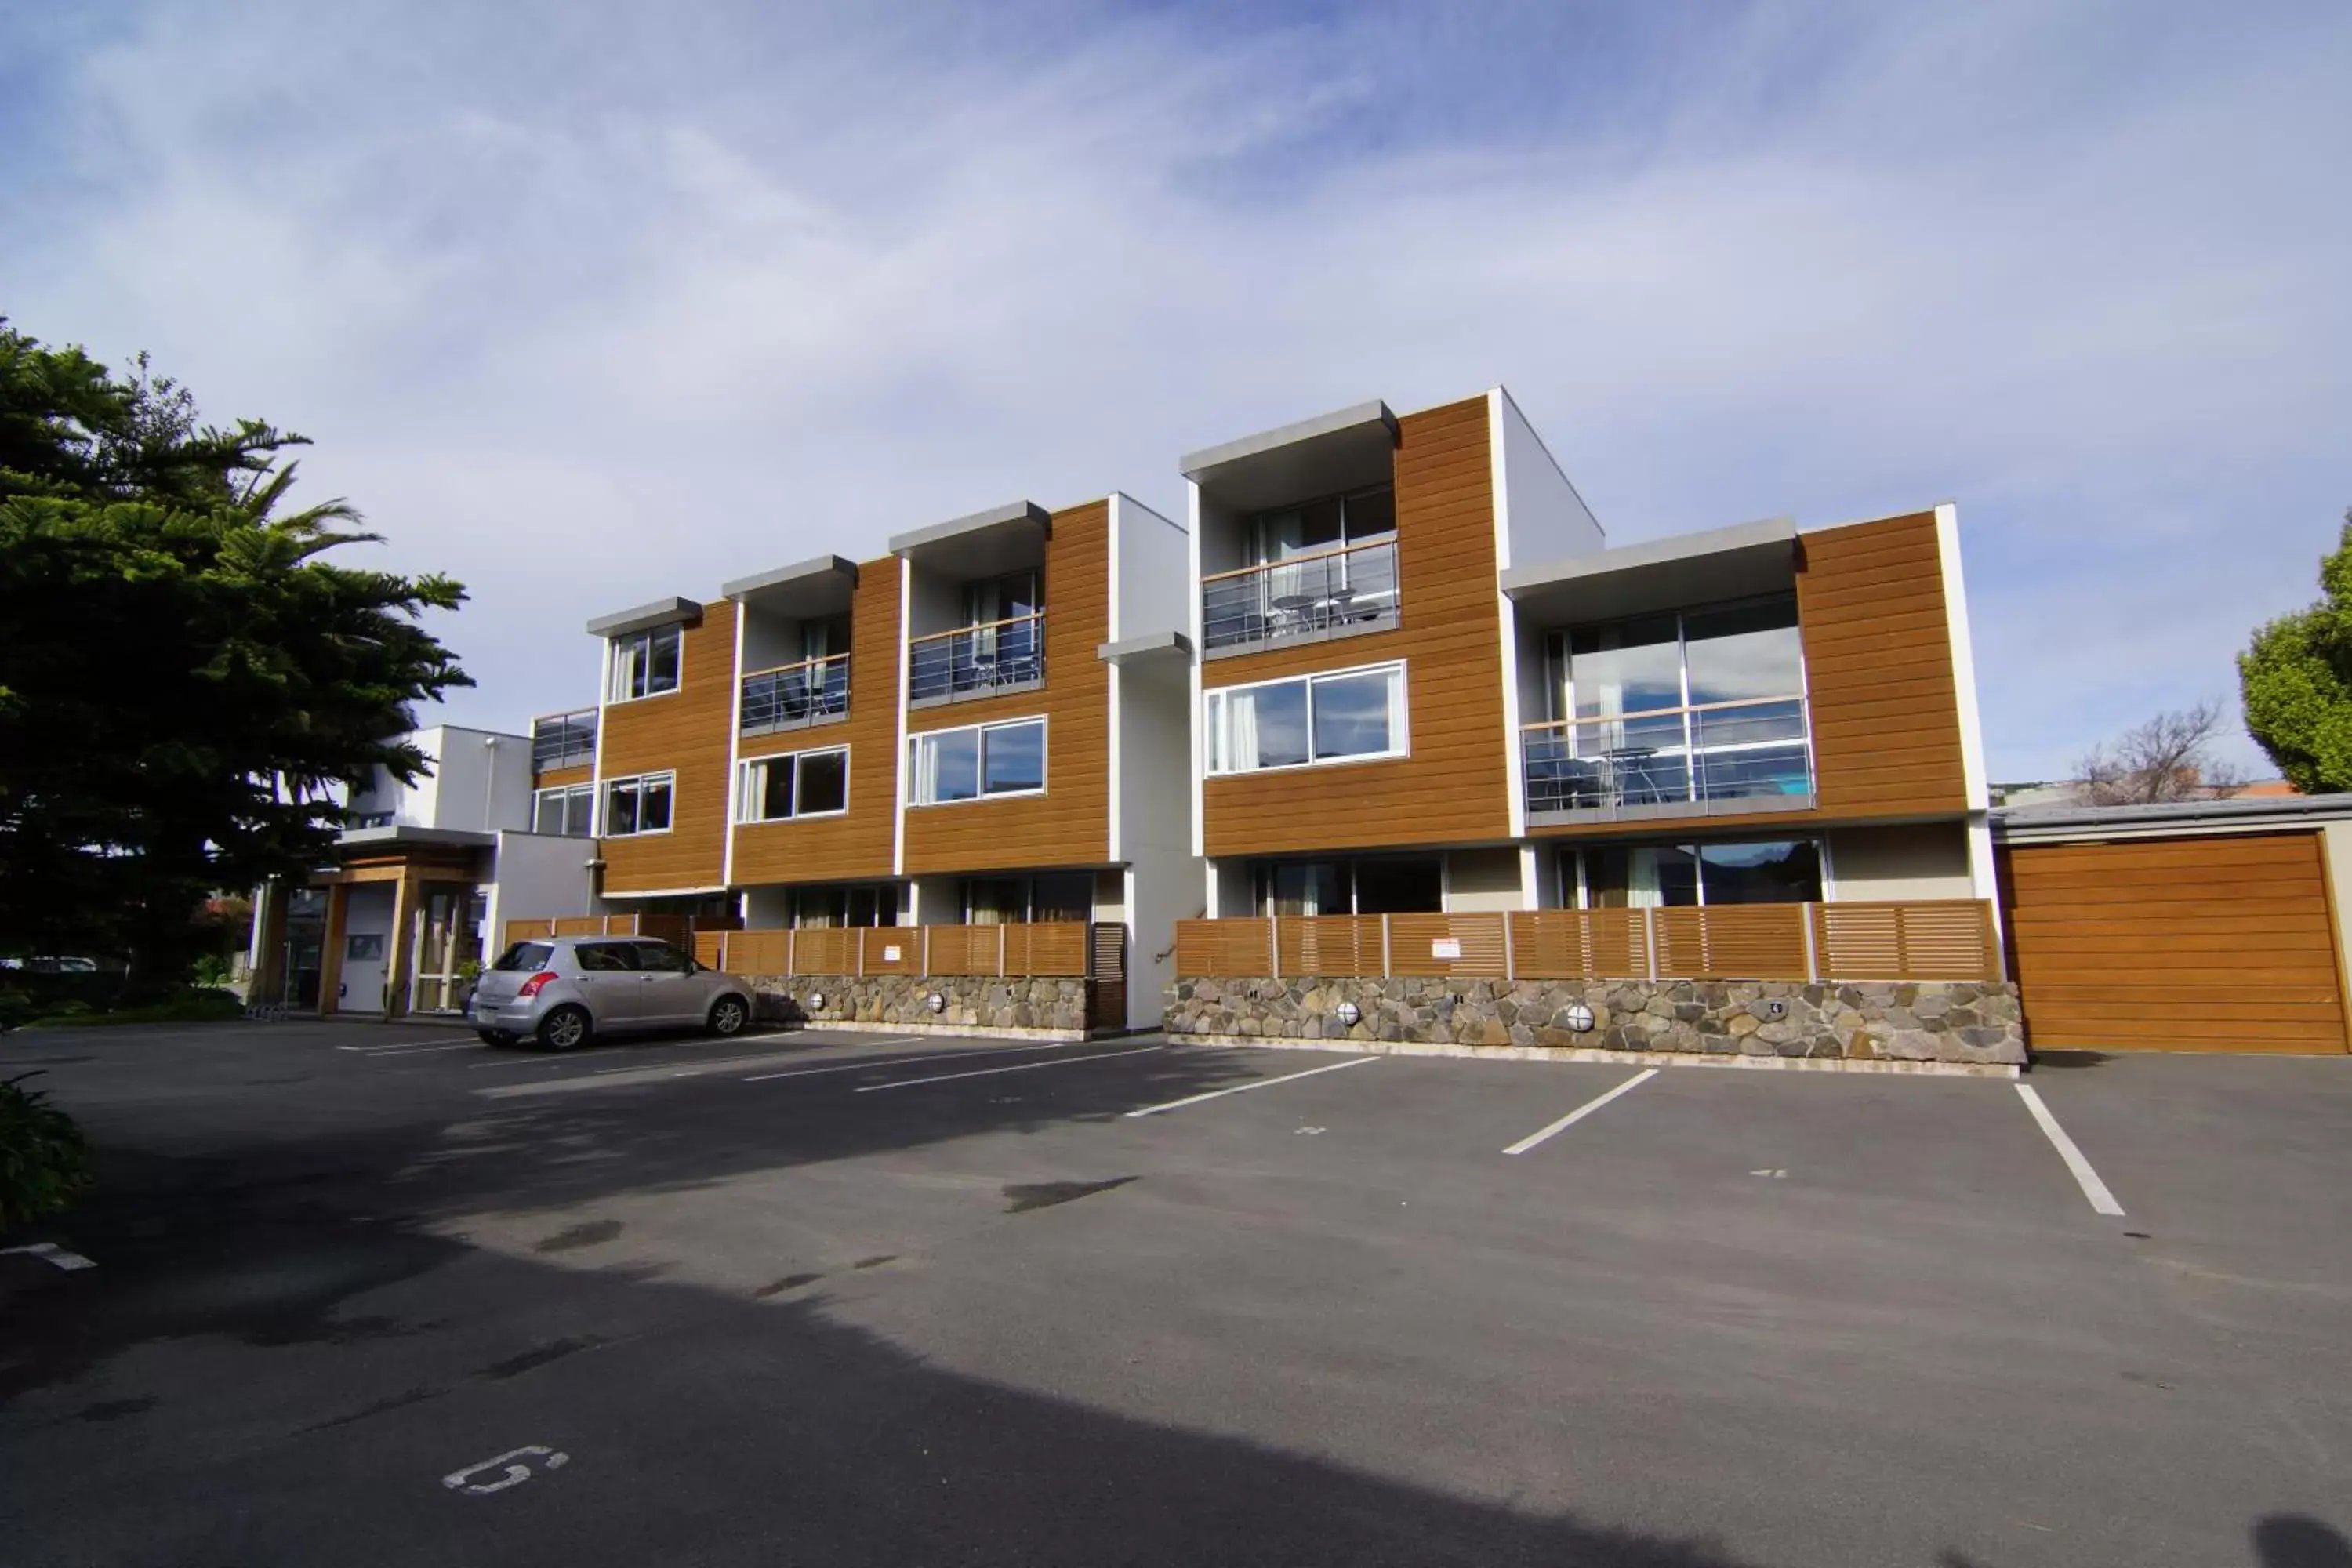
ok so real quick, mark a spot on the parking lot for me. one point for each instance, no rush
(378, 1294)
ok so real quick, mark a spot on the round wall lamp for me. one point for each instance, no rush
(1580, 1017)
(936, 1002)
(817, 1001)
(1347, 1013)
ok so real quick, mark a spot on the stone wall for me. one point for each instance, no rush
(1938, 1021)
(1055, 1006)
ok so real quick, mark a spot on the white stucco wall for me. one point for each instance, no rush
(1546, 518)
(1917, 860)
(1153, 562)
(535, 876)
(1483, 879)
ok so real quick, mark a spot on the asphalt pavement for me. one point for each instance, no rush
(374, 1294)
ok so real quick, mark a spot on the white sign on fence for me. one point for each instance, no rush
(1445, 947)
(890, 953)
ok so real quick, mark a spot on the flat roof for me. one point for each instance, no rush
(1768, 533)
(408, 833)
(2097, 821)
(1676, 573)
(1152, 645)
(644, 617)
(995, 519)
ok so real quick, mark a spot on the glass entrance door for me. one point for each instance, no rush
(449, 945)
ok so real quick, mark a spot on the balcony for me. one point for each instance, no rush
(794, 696)
(1714, 759)
(563, 740)
(976, 661)
(1307, 598)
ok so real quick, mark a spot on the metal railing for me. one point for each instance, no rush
(1931, 939)
(1750, 756)
(974, 662)
(563, 740)
(792, 696)
(1333, 593)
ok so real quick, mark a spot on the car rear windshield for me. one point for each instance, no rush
(525, 955)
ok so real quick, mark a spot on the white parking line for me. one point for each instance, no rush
(1580, 1113)
(386, 1047)
(51, 1253)
(991, 1072)
(2102, 1200)
(1245, 1087)
(427, 1051)
(900, 1062)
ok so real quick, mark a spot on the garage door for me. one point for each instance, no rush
(2222, 944)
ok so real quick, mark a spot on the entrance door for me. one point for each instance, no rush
(448, 939)
(362, 985)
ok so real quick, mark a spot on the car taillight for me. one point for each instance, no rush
(531, 986)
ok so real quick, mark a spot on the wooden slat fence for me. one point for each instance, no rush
(1056, 948)
(1928, 940)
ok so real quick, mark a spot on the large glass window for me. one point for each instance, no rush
(1326, 524)
(1704, 705)
(1346, 716)
(1652, 875)
(645, 664)
(562, 811)
(977, 760)
(804, 783)
(639, 804)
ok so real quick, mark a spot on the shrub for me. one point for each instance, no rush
(43, 1160)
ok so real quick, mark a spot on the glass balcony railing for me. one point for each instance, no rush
(973, 661)
(1719, 757)
(792, 696)
(563, 740)
(1332, 594)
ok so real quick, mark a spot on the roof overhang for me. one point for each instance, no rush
(804, 592)
(1173, 648)
(375, 841)
(1002, 539)
(1733, 562)
(644, 617)
(1345, 449)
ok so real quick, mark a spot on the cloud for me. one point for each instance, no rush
(586, 305)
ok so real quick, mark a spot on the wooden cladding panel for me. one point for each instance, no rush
(556, 778)
(685, 732)
(1455, 784)
(2219, 943)
(1878, 668)
(1069, 824)
(1329, 944)
(1447, 945)
(857, 844)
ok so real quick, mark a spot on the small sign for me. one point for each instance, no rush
(1445, 947)
(889, 955)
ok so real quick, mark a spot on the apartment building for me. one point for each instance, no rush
(984, 727)
(1434, 700)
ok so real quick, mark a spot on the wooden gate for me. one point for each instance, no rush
(1106, 975)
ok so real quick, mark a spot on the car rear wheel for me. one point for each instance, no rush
(728, 1015)
(564, 1029)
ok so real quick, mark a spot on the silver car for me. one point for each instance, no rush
(562, 991)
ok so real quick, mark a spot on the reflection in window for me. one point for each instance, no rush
(638, 805)
(949, 765)
(1341, 717)
(1654, 875)
(1374, 885)
(808, 783)
(645, 664)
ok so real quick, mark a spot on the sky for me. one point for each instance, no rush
(590, 302)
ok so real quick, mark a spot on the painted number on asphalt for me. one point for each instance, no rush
(518, 1463)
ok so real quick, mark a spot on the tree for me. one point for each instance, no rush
(2169, 758)
(183, 677)
(2296, 677)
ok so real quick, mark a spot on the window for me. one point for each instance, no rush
(804, 783)
(562, 811)
(1378, 885)
(1012, 900)
(605, 957)
(524, 956)
(660, 958)
(372, 819)
(858, 904)
(645, 664)
(639, 804)
(950, 765)
(1346, 716)
(1651, 875)
(1326, 524)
